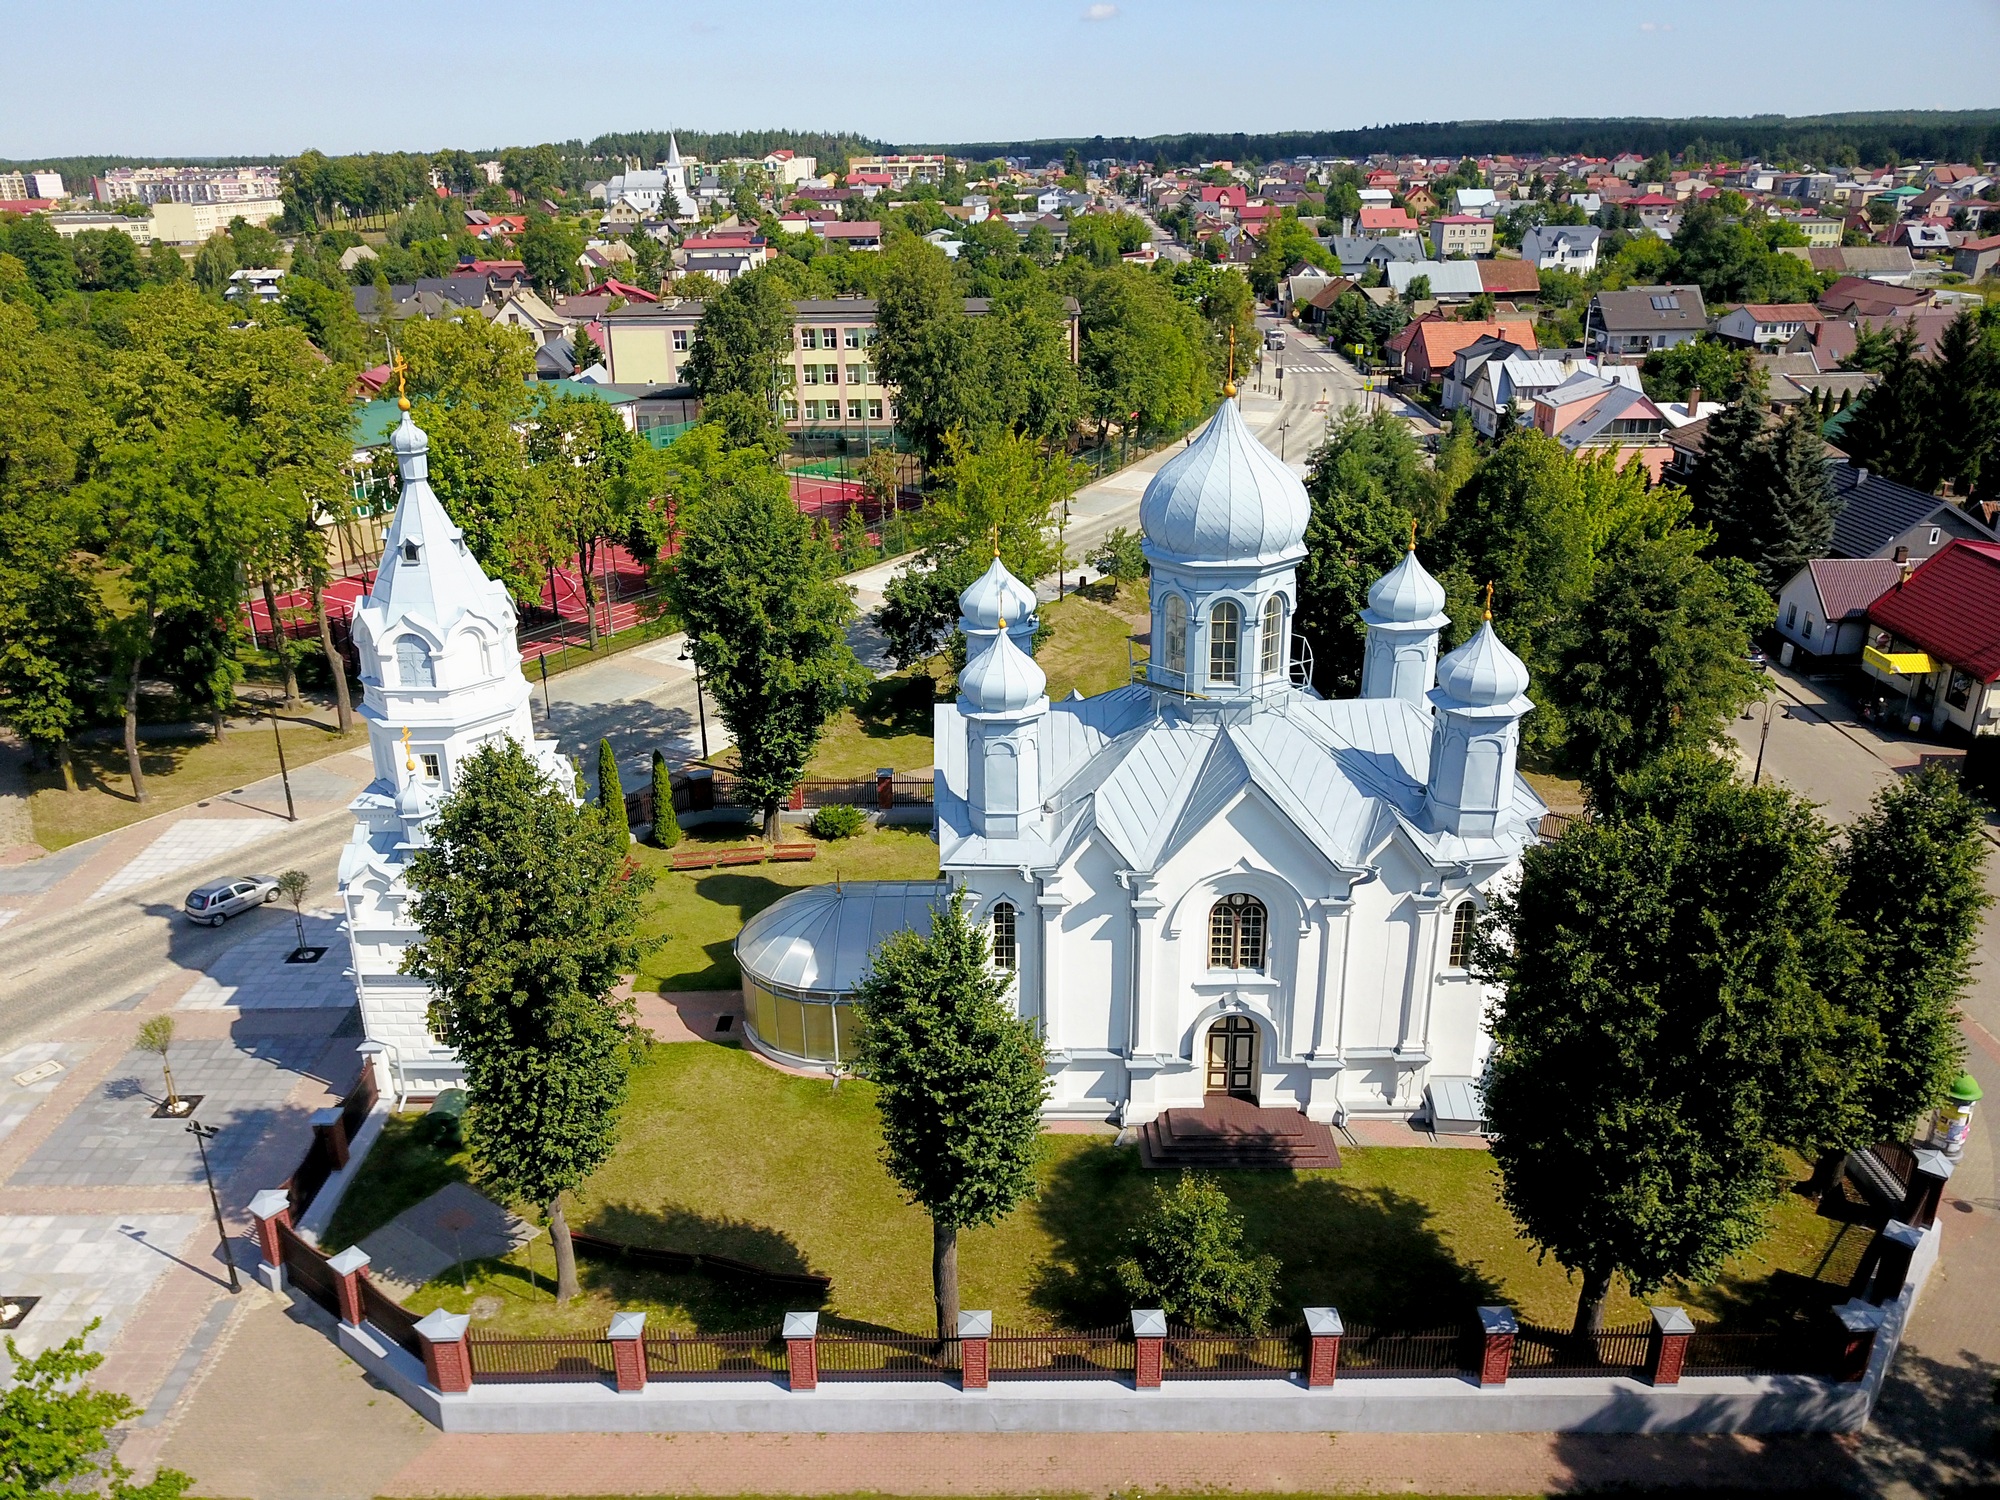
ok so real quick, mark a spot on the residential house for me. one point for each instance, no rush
(858, 234)
(1823, 608)
(1299, 287)
(902, 170)
(1509, 278)
(1387, 221)
(1821, 234)
(1314, 311)
(1461, 234)
(1977, 259)
(1881, 518)
(1934, 639)
(524, 308)
(1562, 247)
(1885, 263)
(725, 255)
(255, 284)
(1228, 196)
(1483, 202)
(1761, 323)
(1643, 318)
(1919, 238)
(1425, 349)
(1451, 280)
(1494, 376)
(1356, 253)
(1419, 200)
(1861, 297)
(1595, 411)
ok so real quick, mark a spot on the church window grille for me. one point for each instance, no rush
(413, 663)
(1174, 620)
(1225, 627)
(1270, 635)
(1236, 926)
(1006, 941)
(1463, 922)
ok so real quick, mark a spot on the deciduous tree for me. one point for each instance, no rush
(960, 1081)
(529, 907)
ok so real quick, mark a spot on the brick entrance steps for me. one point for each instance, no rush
(1234, 1133)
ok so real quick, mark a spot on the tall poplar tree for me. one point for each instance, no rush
(529, 907)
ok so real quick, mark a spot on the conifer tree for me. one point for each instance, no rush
(666, 827)
(1802, 504)
(1891, 433)
(611, 789)
(1729, 473)
(1964, 409)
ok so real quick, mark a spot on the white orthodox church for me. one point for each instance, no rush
(1211, 881)
(647, 190)
(441, 676)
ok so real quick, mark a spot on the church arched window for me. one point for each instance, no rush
(1006, 941)
(413, 663)
(1173, 624)
(1463, 921)
(1225, 631)
(1236, 927)
(1270, 635)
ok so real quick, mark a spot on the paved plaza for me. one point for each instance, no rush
(112, 1139)
(196, 841)
(83, 1267)
(255, 974)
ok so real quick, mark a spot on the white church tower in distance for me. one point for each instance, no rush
(441, 676)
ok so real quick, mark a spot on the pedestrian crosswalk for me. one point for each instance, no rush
(1311, 368)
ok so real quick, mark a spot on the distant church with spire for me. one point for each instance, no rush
(441, 676)
(1211, 883)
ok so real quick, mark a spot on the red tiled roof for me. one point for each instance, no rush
(1950, 607)
(1387, 218)
(1848, 585)
(1783, 312)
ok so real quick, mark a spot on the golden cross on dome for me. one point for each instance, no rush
(1489, 601)
(1229, 388)
(1413, 533)
(410, 761)
(402, 369)
(996, 540)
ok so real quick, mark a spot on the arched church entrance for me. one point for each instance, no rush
(1232, 1058)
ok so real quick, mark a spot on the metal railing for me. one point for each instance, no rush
(1101, 1354)
(308, 1269)
(1193, 1355)
(1777, 1351)
(852, 1351)
(756, 1355)
(1366, 1351)
(502, 1358)
(391, 1318)
(1624, 1350)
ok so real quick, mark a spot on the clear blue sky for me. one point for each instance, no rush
(201, 77)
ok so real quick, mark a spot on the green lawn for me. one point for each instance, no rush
(698, 913)
(725, 1154)
(177, 772)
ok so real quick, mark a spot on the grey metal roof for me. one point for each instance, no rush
(1448, 278)
(1225, 498)
(1875, 511)
(825, 936)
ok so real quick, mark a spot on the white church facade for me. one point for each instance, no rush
(441, 676)
(1212, 880)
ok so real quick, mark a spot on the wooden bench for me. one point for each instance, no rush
(793, 853)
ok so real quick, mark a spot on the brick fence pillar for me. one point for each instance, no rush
(1672, 1328)
(1323, 1360)
(447, 1356)
(885, 787)
(348, 1268)
(1896, 1244)
(1859, 1323)
(271, 1208)
(1496, 1356)
(628, 1350)
(1149, 1335)
(974, 1329)
(1926, 1193)
(802, 1350)
(330, 1125)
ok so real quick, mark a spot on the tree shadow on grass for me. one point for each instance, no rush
(1371, 1252)
(715, 1298)
(893, 707)
(747, 895)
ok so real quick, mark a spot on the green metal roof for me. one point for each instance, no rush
(373, 422)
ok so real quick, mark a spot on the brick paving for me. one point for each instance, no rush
(85, 1267)
(1101, 1464)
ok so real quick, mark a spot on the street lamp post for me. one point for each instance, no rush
(203, 1134)
(1763, 735)
(687, 655)
(284, 772)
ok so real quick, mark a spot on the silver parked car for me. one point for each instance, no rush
(220, 899)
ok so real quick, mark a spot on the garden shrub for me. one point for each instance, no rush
(837, 820)
(1188, 1259)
